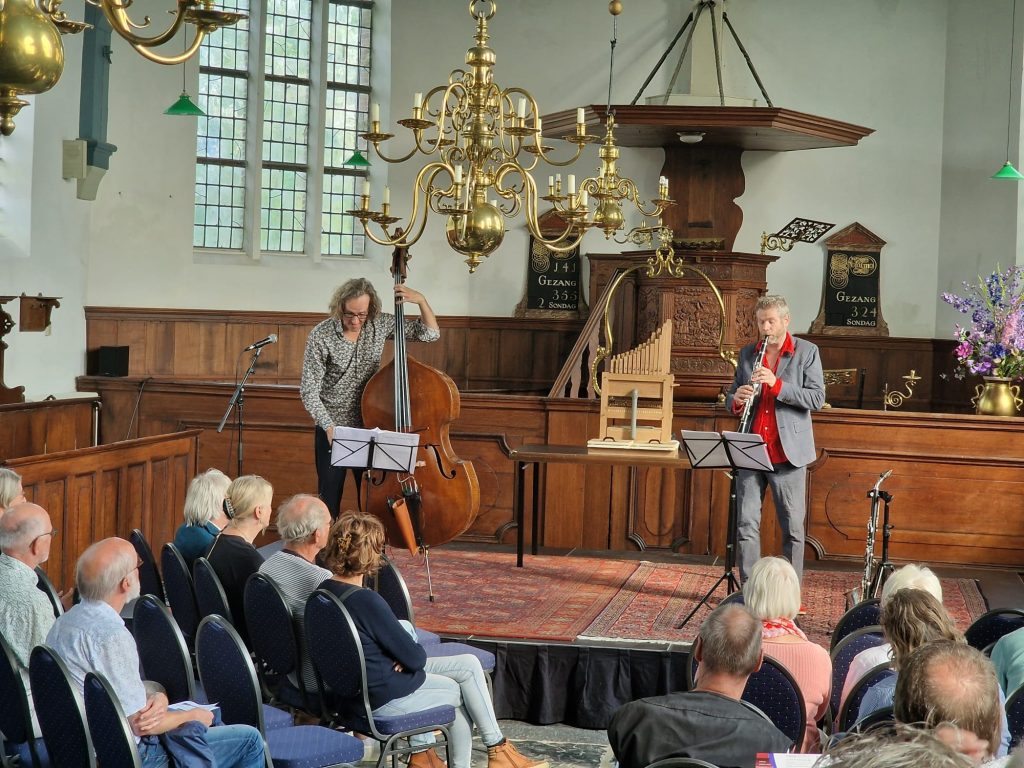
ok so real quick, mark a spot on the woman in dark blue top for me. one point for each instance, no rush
(400, 677)
(205, 515)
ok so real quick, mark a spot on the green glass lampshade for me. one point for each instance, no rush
(358, 160)
(184, 106)
(1008, 172)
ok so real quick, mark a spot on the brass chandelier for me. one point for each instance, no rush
(32, 54)
(488, 143)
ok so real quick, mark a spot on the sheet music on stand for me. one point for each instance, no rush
(374, 449)
(728, 450)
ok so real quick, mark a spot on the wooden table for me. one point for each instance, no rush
(574, 454)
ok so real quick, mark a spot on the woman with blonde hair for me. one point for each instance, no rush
(232, 554)
(772, 594)
(205, 514)
(400, 677)
(11, 492)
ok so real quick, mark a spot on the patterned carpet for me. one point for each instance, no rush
(565, 598)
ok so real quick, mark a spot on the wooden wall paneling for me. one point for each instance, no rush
(160, 348)
(48, 426)
(292, 340)
(101, 333)
(187, 348)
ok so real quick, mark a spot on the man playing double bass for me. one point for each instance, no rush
(787, 387)
(342, 353)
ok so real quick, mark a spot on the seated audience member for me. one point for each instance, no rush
(400, 677)
(710, 722)
(948, 682)
(11, 492)
(205, 514)
(232, 554)
(895, 746)
(1008, 659)
(25, 612)
(772, 594)
(303, 523)
(91, 637)
(908, 577)
(910, 618)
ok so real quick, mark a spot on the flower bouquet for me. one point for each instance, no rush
(993, 343)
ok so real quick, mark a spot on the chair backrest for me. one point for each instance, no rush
(275, 643)
(848, 712)
(883, 715)
(210, 596)
(773, 690)
(165, 657)
(149, 575)
(843, 655)
(1015, 715)
(15, 720)
(181, 594)
(337, 654)
(108, 726)
(864, 614)
(44, 583)
(59, 710)
(680, 762)
(227, 673)
(989, 627)
(390, 585)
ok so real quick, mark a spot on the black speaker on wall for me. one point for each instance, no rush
(112, 361)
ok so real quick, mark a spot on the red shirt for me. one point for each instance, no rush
(764, 420)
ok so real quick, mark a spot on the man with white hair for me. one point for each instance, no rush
(910, 576)
(25, 612)
(91, 637)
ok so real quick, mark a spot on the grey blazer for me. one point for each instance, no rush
(803, 391)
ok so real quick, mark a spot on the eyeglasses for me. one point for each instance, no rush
(133, 570)
(355, 315)
(54, 532)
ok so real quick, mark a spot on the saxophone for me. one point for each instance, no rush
(746, 417)
(866, 585)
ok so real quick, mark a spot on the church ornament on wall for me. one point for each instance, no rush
(553, 285)
(851, 302)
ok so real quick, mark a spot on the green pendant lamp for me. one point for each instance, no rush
(1008, 172)
(184, 106)
(358, 160)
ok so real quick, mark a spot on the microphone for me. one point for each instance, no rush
(271, 339)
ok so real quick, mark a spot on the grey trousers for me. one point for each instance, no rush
(788, 484)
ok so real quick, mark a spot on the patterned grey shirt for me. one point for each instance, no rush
(335, 370)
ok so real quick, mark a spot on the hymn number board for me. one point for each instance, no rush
(553, 279)
(851, 302)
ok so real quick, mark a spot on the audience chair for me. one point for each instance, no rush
(149, 575)
(1015, 715)
(847, 717)
(111, 735)
(44, 583)
(883, 715)
(181, 595)
(989, 627)
(230, 679)
(773, 690)
(681, 762)
(843, 655)
(210, 597)
(59, 710)
(733, 597)
(15, 719)
(162, 651)
(864, 614)
(337, 653)
(277, 647)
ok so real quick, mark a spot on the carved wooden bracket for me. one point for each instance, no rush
(7, 394)
(35, 311)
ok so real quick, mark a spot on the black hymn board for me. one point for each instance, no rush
(851, 302)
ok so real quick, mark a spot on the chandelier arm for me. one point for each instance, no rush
(558, 243)
(179, 58)
(559, 163)
(116, 14)
(386, 159)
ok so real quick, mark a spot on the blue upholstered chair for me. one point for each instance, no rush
(111, 735)
(15, 719)
(681, 762)
(989, 627)
(883, 715)
(843, 655)
(847, 717)
(44, 583)
(162, 651)
(59, 711)
(230, 679)
(210, 596)
(149, 575)
(181, 596)
(864, 614)
(337, 653)
(1015, 715)
(773, 690)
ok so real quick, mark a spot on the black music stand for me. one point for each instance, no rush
(731, 451)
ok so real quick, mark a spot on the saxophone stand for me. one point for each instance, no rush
(732, 451)
(885, 569)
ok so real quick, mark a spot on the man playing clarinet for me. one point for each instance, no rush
(785, 389)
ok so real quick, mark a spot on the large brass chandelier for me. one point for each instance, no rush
(486, 142)
(32, 54)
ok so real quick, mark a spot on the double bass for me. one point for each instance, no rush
(443, 494)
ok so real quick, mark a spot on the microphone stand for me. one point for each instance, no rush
(237, 401)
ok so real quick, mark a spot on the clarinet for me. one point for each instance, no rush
(869, 552)
(746, 418)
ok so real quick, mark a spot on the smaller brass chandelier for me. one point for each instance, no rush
(32, 54)
(488, 143)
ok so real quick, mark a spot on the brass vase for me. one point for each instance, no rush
(996, 397)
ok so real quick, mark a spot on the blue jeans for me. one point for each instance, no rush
(233, 746)
(457, 681)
